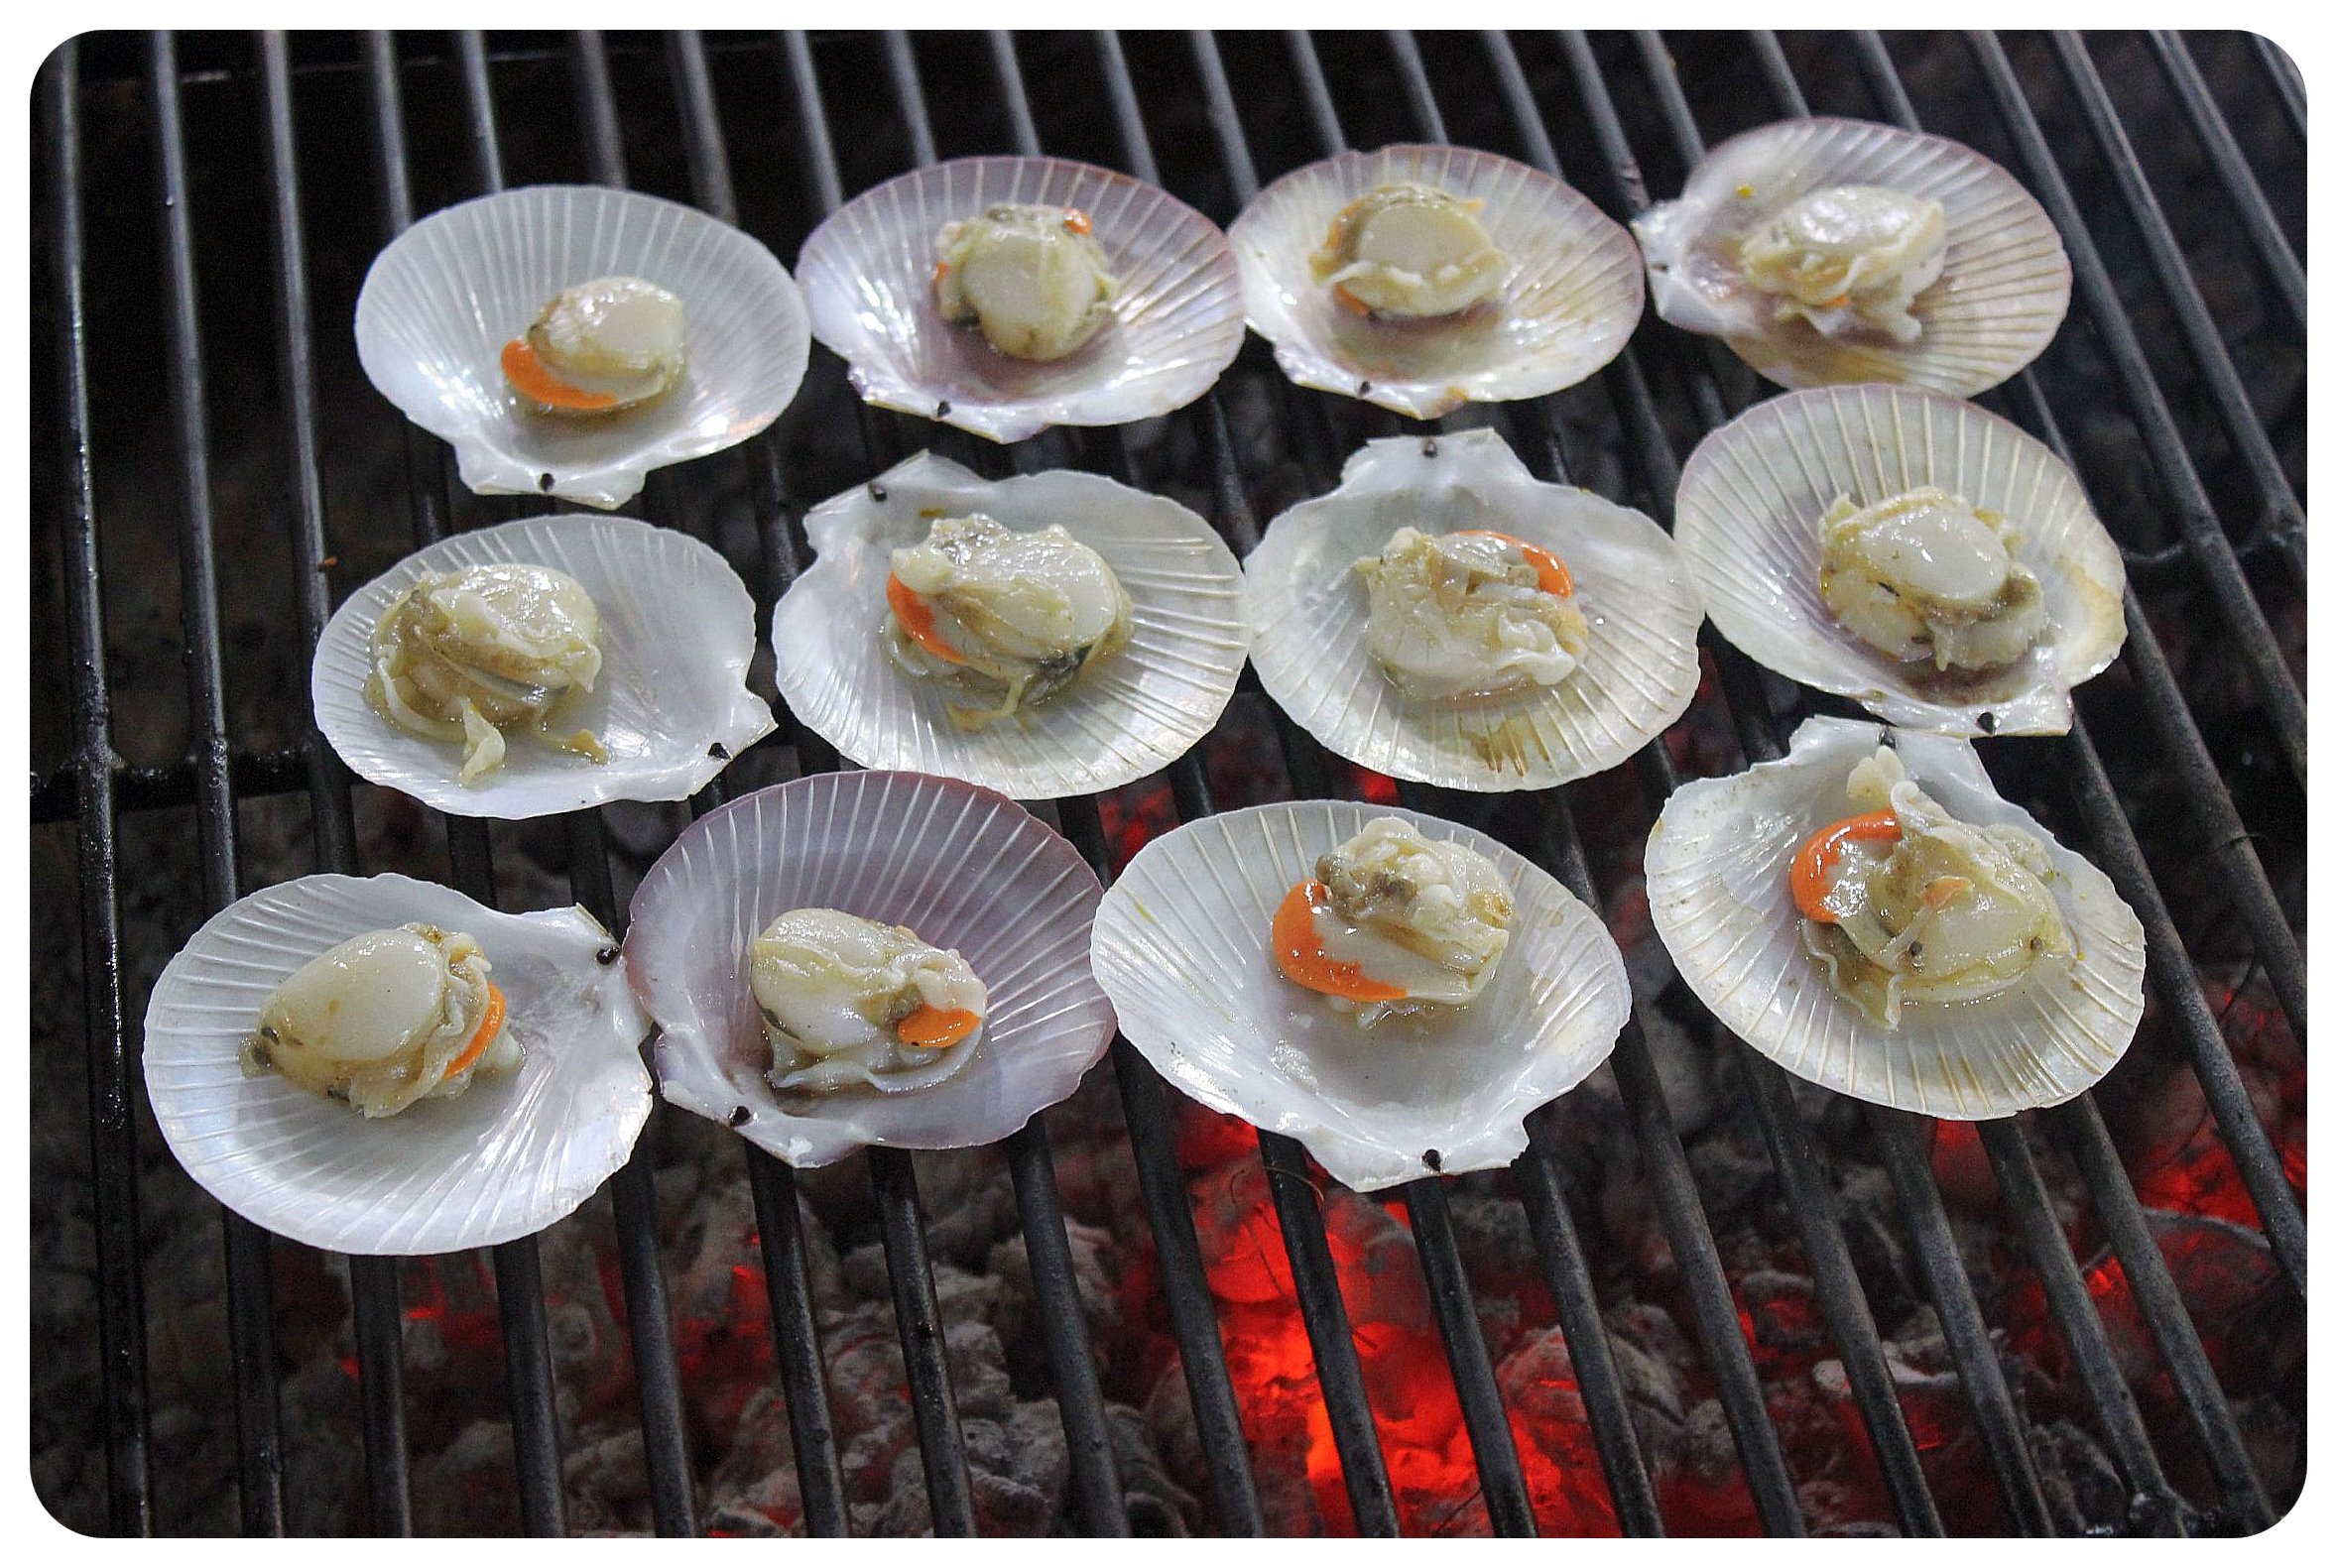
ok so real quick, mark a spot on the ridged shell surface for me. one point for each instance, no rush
(1718, 886)
(868, 276)
(445, 295)
(1182, 946)
(1747, 518)
(2003, 286)
(1573, 293)
(1129, 715)
(504, 1158)
(1309, 611)
(671, 706)
(963, 868)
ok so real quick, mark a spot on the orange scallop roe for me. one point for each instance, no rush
(916, 619)
(1813, 863)
(935, 1028)
(489, 1027)
(532, 379)
(1298, 948)
(1550, 573)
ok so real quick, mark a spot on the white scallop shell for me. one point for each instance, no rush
(502, 1159)
(1183, 947)
(1747, 518)
(1719, 888)
(441, 301)
(1308, 612)
(1572, 298)
(1130, 715)
(964, 868)
(2003, 289)
(868, 276)
(670, 707)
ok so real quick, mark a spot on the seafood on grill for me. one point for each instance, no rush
(386, 1018)
(1394, 924)
(1033, 278)
(1409, 250)
(869, 959)
(1000, 617)
(1869, 913)
(1047, 635)
(569, 339)
(543, 666)
(1421, 278)
(849, 1002)
(598, 348)
(1472, 614)
(1443, 616)
(461, 655)
(381, 1065)
(1828, 251)
(1905, 550)
(1007, 294)
(1396, 991)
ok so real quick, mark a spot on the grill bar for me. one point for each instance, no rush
(2199, 333)
(2201, 530)
(113, 1146)
(948, 1485)
(373, 1282)
(2287, 83)
(802, 1374)
(1507, 1506)
(251, 1348)
(2239, 181)
(2154, 1504)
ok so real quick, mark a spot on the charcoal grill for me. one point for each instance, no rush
(2204, 501)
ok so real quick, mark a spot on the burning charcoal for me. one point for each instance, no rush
(1157, 1506)
(2080, 1485)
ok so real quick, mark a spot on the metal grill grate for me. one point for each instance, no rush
(1589, 108)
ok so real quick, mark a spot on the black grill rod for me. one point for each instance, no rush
(1949, 1286)
(2153, 1507)
(2080, 1124)
(632, 1190)
(1095, 1477)
(801, 1371)
(2211, 548)
(1507, 1507)
(1015, 100)
(2220, 827)
(519, 1275)
(949, 1488)
(251, 1334)
(1413, 72)
(2171, 973)
(373, 1281)
(909, 93)
(1682, 1214)
(113, 1144)
(2287, 83)
(892, 1173)
(2232, 171)
(1777, 71)
(2197, 326)
(2002, 1432)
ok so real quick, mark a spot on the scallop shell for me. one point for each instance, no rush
(1747, 518)
(1130, 715)
(1718, 886)
(672, 706)
(1183, 949)
(962, 867)
(504, 1158)
(1572, 298)
(1308, 612)
(2001, 292)
(445, 295)
(868, 276)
